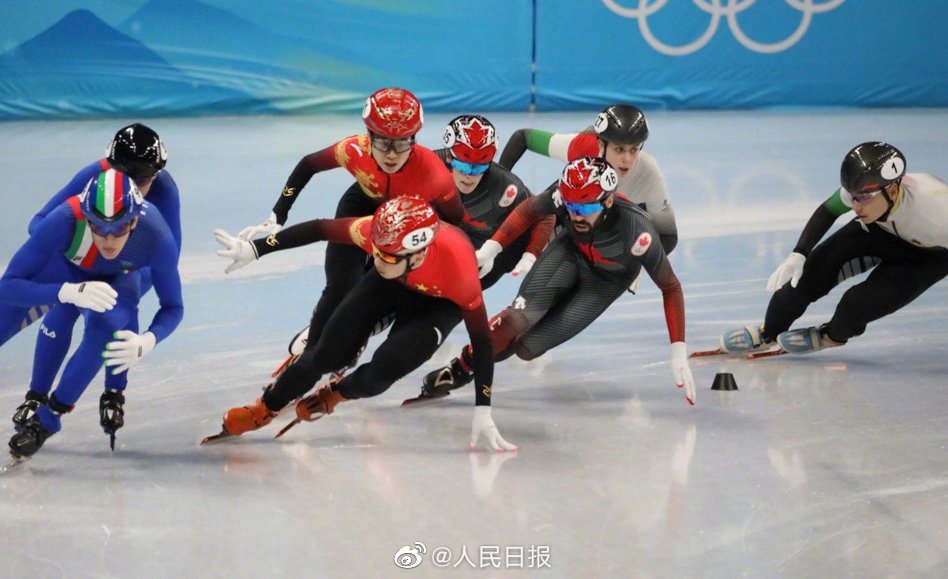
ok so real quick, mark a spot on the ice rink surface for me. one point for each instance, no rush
(822, 466)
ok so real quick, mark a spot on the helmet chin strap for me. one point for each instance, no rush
(605, 211)
(885, 216)
(600, 219)
(409, 267)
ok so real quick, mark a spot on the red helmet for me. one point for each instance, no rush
(393, 113)
(587, 180)
(472, 139)
(404, 223)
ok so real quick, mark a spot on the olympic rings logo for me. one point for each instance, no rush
(717, 9)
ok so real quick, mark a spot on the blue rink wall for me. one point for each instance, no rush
(145, 58)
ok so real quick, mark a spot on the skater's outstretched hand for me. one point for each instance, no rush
(486, 255)
(239, 250)
(483, 425)
(268, 227)
(681, 371)
(636, 283)
(524, 265)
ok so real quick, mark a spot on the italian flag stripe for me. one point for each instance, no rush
(100, 193)
(89, 259)
(77, 236)
(81, 243)
(108, 199)
(117, 183)
(76, 208)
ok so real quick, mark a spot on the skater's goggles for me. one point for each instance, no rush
(865, 196)
(113, 229)
(469, 168)
(389, 258)
(584, 208)
(383, 145)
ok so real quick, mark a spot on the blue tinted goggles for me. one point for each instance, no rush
(469, 168)
(114, 229)
(583, 208)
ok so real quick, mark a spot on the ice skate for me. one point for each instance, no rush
(315, 406)
(29, 439)
(744, 340)
(242, 419)
(298, 343)
(440, 382)
(806, 340)
(12, 463)
(111, 414)
(27, 409)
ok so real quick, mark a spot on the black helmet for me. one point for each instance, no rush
(871, 166)
(137, 151)
(622, 124)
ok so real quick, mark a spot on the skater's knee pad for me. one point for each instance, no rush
(506, 329)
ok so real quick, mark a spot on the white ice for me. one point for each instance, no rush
(828, 465)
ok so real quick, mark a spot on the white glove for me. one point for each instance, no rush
(524, 265)
(484, 425)
(127, 349)
(97, 296)
(485, 256)
(634, 286)
(268, 227)
(682, 372)
(240, 250)
(791, 268)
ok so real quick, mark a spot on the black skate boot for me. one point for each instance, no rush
(45, 422)
(26, 410)
(440, 382)
(111, 413)
(29, 438)
(445, 379)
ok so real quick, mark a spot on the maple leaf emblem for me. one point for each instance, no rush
(580, 174)
(476, 134)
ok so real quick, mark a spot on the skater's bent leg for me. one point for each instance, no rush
(890, 287)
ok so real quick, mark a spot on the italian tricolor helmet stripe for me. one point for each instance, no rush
(110, 193)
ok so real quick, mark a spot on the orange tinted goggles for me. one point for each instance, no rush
(389, 258)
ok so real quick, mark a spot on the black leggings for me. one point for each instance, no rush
(558, 299)
(421, 324)
(903, 273)
(345, 264)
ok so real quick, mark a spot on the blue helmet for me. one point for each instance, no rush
(110, 201)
